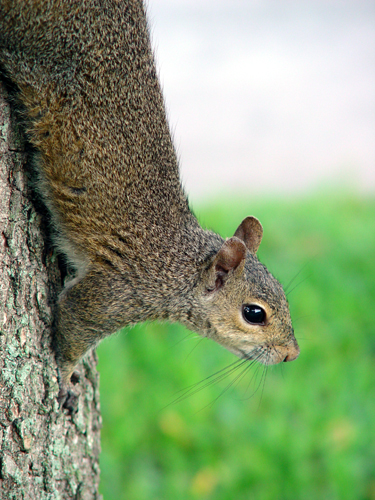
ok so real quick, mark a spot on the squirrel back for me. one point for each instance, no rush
(90, 97)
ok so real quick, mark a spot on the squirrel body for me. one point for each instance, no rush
(86, 82)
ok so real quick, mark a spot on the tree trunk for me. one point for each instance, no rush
(45, 452)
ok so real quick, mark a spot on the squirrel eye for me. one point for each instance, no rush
(254, 314)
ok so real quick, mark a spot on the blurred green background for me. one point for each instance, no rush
(308, 432)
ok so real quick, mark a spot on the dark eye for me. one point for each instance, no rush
(254, 314)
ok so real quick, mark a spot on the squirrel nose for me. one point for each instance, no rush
(293, 353)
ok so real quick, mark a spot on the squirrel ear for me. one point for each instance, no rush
(250, 231)
(231, 254)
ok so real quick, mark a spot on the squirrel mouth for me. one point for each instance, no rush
(271, 354)
(255, 354)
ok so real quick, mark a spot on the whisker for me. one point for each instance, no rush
(253, 356)
(296, 276)
(298, 284)
(246, 364)
(189, 336)
(232, 383)
(196, 345)
(255, 374)
(282, 364)
(211, 379)
(298, 273)
(264, 376)
(298, 318)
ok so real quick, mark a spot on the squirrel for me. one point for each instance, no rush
(87, 87)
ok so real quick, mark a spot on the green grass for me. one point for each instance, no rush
(309, 431)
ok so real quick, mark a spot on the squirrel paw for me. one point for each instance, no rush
(67, 398)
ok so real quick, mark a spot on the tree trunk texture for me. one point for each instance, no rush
(45, 453)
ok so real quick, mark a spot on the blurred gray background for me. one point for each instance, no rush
(269, 96)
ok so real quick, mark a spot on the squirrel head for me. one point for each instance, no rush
(246, 309)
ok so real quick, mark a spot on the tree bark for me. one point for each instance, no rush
(45, 452)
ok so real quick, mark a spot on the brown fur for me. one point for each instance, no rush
(108, 171)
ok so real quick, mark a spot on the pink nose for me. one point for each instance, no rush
(293, 353)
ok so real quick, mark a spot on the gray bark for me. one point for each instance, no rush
(44, 452)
